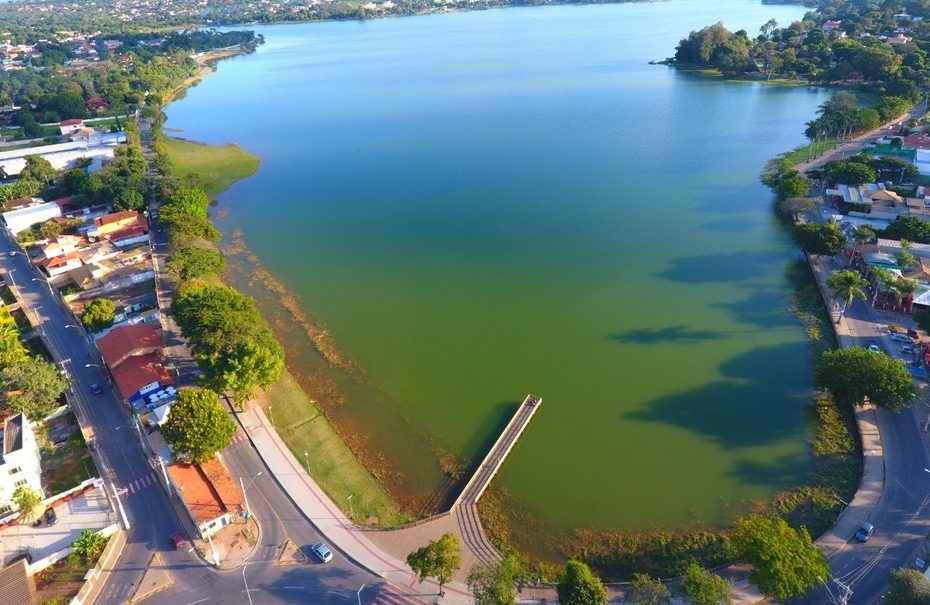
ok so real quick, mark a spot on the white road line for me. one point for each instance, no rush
(200, 601)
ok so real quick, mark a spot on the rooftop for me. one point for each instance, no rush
(208, 489)
(13, 433)
(115, 217)
(138, 371)
(122, 342)
(15, 585)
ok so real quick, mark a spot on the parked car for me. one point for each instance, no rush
(95, 389)
(178, 541)
(908, 350)
(901, 337)
(51, 517)
(865, 532)
(321, 552)
(874, 348)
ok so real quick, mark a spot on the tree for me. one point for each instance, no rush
(493, 583)
(12, 350)
(98, 314)
(128, 199)
(38, 169)
(785, 561)
(192, 262)
(646, 590)
(198, 425)
(704, 588)
(251, 365)
(922, 317)
(849, 172)
(907, 587)
(89, 544)
(33, 387)
(579, 586)
(29, 503)
(857, 374)
(819, 238)
(908, 227)
(847, 285)
(438, 560)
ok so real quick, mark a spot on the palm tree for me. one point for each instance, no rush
(904, 288)
(847, 285)
(863, 234)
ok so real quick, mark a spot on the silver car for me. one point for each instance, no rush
(321, 552)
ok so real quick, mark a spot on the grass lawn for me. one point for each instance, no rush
(801, 153)
(332, 465)
(213, 168)
(66, 464)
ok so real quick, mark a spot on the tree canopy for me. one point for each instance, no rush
(819, 238)
(784, 180)
(907, 587)
(785, 561)
(198, 425)
(439, 559)
(98, 314)
(847, 285)
(579, 586)
(493, 583)
(857, 374)
(646, 590)
(38, 169)
(704, 588)
(192, 262)
(849, 172)
(29, 503)
(33, 387)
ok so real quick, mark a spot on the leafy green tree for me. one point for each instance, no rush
(579, 586)
(12, 350)
(910, 228)
(33, 387)
(493, 583)
(819, 238)
(857, 374)
(704, 588)
(847, 285)
(29, 503)
(192, 262)
(785, 561)
(797, 205)
(128, 199)
(98, 314)
(439, 559)
(216, 318)
(251, 365)
(907, 587)
(849, 172)
(646, 590)
(198, 425)
(90, 544)
(38, 169)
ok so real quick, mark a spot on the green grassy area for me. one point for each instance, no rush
(66, 465)
(212, 168)
(332, 464)
(804, 151)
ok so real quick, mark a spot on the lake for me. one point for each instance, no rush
(484, 205)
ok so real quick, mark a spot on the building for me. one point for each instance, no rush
(68, 127)
(113, 223)
(16, 585)
(24, 218)
(95, 104)
(123, 343)
(21, 202)
(20, 463)
(133, 355)
(58, 265)
(208, 492)
(61, 245)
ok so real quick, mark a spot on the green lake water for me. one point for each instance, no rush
(483, 205)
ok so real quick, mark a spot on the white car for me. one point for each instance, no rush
(874, 348)
(322, 553)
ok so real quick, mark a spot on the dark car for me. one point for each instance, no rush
(96, 389)
(178, 541)
(51, 517)
(865, 532)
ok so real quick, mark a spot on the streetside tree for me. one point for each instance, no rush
(98, 314)
(198, 425)
(579, 586)
(856, 374)
(193, 262)
(847, 285)
(794, 206)
(493, 583)
(646, 590)
(439, 559)
(849, 172)
(785, 561)
(12, 350)
(89, 544)
(704, 588)
(907, 587)
(33, 387)
(819, 238)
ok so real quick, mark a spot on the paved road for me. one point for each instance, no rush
(901, 517)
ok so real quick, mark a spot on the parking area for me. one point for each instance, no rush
(89, 510)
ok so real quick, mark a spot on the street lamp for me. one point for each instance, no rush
(245, 489)
(358, 594)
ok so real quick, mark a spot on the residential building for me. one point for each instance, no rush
(21, 202)
(133, 355)
(68, 127)
(58, 265)
(123, 343)
(210, 495)
(95, 104)
(61, 245)
(20, 463)
(112, 223)
(16, 586)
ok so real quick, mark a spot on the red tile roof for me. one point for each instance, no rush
(208, 489)
(127, 233)
(115, 217)
(139, 370)
(59, 261)
(125, 341)
(95, 103)
(919, 141)
(17, 203)
(71, 122)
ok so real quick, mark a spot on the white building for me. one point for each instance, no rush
(23, 218)
(20, 463)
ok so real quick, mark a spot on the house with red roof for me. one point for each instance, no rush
(95, 104)
(133, 355)
(60, 264)
(70, 126)
(209, 493)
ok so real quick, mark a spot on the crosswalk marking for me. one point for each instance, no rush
(387, 596)
(141, 483)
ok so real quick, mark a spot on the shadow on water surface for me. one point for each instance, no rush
(672, 334)
(742, 409)
(782, 470)
(722, 267)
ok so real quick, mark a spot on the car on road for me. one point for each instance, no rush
(865, 532)
(874, 348)
(901, 337)
(178, 541)
(51, 518)
(322, 553)
(96, 389)
(908, 350)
